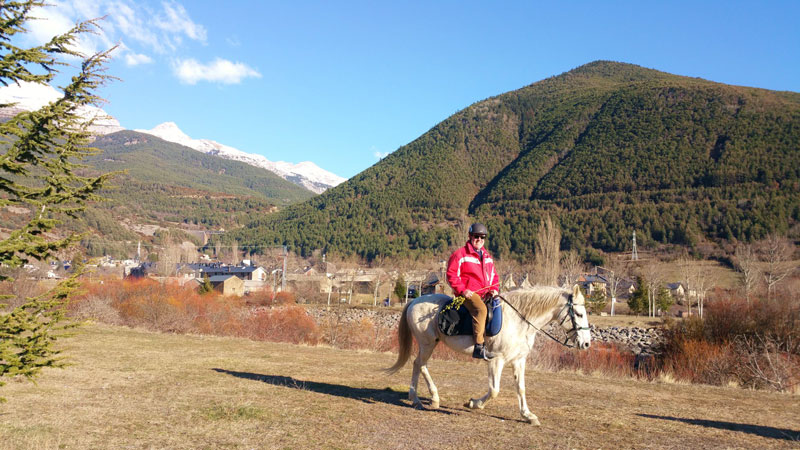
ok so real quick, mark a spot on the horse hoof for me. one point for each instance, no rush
(473, 404)
(533, 420)
(435, 405)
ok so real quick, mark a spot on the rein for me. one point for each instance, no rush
(570, 314)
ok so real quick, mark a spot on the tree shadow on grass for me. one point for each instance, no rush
(366, 395)
(758, 430)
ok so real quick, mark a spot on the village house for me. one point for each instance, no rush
(676, 289)
(254, 278)
(593, 283)
(228, 285)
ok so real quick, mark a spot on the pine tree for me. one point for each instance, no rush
(664, 299)
(39, 164)
(597, 301)
(206, 287)
(400, 288)
(637, 302)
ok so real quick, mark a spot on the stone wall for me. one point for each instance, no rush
(645, 341)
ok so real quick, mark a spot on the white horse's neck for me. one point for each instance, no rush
(537, 306)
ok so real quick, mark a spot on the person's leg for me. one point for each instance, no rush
(477, 309)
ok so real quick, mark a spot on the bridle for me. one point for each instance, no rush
(570, 307)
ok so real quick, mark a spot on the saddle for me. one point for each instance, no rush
(456, 321)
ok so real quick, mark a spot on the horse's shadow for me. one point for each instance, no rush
(366, 395)
(758, 430)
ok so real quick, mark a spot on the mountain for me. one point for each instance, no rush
(31, 96)
(166, 186)
(149, 159)
(605, 149)
(306, 174)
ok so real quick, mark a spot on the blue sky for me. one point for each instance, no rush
(341, 83)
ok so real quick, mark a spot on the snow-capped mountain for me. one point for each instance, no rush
(32, 96)
(306, 173)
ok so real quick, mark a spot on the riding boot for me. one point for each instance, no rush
(480, 352)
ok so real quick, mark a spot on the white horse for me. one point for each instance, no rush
(526, 312)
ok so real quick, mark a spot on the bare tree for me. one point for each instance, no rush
(548, 243)
(380, 275)
(168, 259)
(654, 275)
(687, 278)
(234, 259)
(746, 260)
(704, 280)
(571, 268)
(776, 252)
(616, 270)
(188, 252)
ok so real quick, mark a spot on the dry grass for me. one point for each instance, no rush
(137, 389)
(722, 276)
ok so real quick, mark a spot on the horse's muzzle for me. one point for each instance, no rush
(585, 345)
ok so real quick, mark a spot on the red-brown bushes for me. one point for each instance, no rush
(755, 343)
(268, 298)
(605, 358)
(285, 324)
(699, 361)
(363, 334)
(173, 308)
(164, 307)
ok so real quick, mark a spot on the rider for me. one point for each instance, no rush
(470, 272)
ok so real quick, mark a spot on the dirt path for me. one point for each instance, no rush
(135, 389)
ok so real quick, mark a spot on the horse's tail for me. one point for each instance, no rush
(403, 342)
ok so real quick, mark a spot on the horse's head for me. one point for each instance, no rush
(575, 321)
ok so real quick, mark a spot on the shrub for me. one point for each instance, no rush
(605, 358)
(765, 365)
(637, 302)
(285, 324)
(597, 301)
(755, 344)
(700, 361)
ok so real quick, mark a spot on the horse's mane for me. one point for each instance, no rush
(536, 301)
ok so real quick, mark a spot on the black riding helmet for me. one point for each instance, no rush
(478, 228)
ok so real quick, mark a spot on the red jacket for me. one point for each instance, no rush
(466, 270)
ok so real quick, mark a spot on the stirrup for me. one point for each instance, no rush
(479, 352)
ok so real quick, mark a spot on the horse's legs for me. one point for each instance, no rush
(518, 366)
(420, 365)
(423, 362)
(495, 370)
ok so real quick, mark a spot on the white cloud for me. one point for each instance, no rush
(135, 59)
(233, 41)
(161, 31)
(190, 71)
(175, 18)
(51, 21)
(381, 155)
(133, 27)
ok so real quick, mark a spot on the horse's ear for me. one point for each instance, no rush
(576, 290)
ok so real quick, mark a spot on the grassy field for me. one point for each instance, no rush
(134, 389)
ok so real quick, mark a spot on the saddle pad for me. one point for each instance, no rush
(459, 322)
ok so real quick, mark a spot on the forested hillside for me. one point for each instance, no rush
(148, 159)
(606, 149)
(168, 185)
